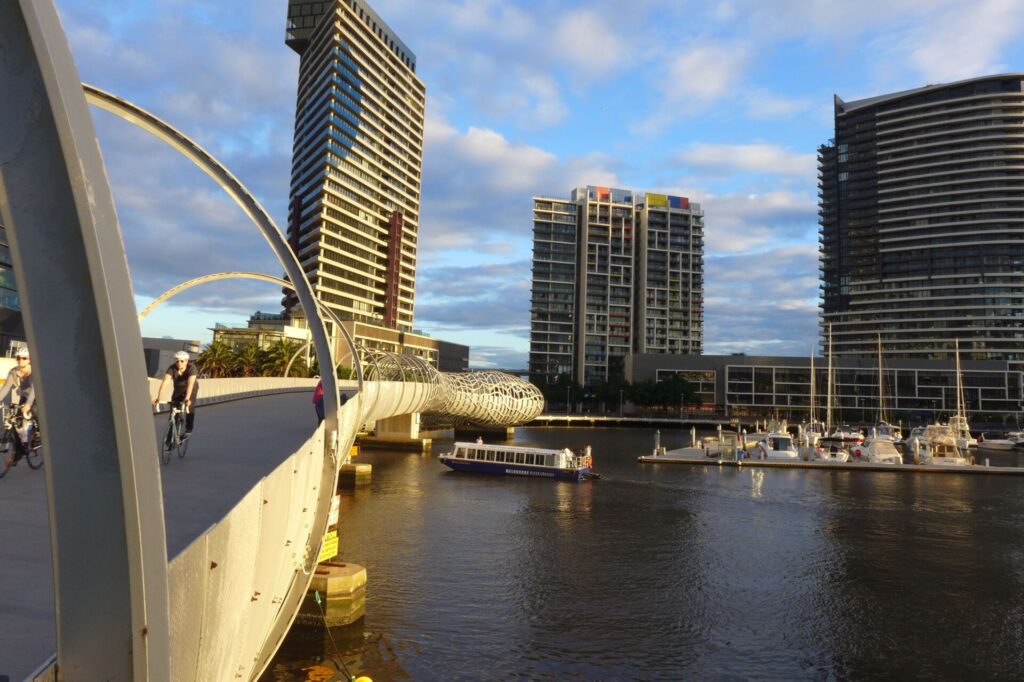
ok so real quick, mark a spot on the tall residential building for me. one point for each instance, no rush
(615, 272)
(922, 222)
(12, 328)
(356, 163)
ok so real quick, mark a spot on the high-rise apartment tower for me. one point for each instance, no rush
(356, 162)
(922, 222)
(615, 272)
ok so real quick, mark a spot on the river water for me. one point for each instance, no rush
(667, 572)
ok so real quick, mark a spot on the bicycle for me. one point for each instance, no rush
(13, 448)
(175, 437)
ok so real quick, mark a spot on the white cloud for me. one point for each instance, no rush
(692, 80)
(585, 40)
(964, 42)
(756, 158)
(738, 223)
(763, 104)
(478, 185)
(763, 304)
(704, 72)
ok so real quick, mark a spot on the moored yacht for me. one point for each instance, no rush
(831, 450)
(998, 441)
(886, 431)
(878, 451)
(937, 445)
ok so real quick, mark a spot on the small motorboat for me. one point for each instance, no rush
(775, 446)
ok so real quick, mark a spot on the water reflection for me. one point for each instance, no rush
(662, 572)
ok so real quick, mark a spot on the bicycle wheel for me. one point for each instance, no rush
(34, 456)
(8, 451)
(170, 442)
(182, 440)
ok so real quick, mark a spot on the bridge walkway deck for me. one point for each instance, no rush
(235, 444)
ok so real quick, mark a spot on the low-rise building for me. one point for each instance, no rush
(159, 353)
(266, 329)
(913, 390)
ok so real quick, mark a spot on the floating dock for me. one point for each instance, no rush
(700, 460)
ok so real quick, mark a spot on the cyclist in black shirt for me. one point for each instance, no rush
(185, 377)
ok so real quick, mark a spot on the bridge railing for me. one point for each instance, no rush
(222, 390)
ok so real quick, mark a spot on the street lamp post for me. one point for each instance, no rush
(620, 403)
(568, 390)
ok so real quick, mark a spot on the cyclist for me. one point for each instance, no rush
(20, 377)
(185, 378)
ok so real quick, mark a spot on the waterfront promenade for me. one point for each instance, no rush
(235, 444)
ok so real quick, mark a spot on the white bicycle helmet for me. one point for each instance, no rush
(22, 352)
(181, 355)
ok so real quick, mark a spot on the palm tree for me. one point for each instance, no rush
(216, 360)
(249, 360)
(277, 357)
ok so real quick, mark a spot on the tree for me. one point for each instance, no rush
(216, 360)
(667, 394)
(277, 357)
(249, 360)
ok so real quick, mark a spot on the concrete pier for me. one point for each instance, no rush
(342, 589)
(488, 433)
(355, 475)
(395, 443)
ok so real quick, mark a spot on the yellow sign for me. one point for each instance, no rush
(657, 199)
(329, 549)
(353, 451)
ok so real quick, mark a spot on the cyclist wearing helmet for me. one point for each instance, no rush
(185, 377)
(20, 377)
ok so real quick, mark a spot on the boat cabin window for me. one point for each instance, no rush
(780, 443)
(490, 456)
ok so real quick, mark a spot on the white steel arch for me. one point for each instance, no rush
(259, 276)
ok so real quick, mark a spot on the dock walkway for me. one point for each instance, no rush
(700, 460)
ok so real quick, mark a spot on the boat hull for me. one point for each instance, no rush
(503, 468)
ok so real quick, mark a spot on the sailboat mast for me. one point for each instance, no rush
(881, 383)
(961, 403)
(828, 403)
(814, 413)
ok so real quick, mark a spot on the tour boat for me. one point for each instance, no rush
(511, 460)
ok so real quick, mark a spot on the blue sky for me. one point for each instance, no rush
(724, 102)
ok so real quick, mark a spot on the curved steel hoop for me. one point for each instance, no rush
(484, 398)
(219, 276)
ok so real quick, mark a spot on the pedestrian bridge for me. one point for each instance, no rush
(219, 608)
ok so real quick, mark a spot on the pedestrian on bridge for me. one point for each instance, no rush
(318, 401)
